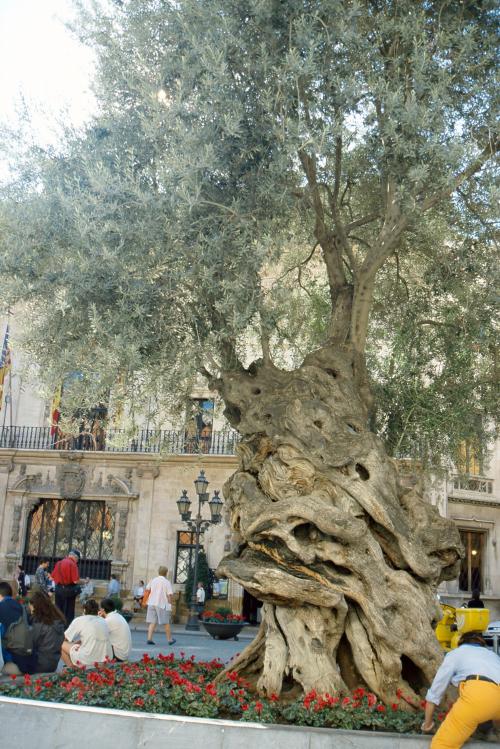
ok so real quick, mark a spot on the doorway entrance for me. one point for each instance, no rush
(57, 525)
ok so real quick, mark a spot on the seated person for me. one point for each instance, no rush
(114, 587)
(21, 659)
(87, 639)
(119, 631)
(87, 590)
(138, 594)
(47, 623)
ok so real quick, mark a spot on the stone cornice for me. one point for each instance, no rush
(56, 495)
(477, 502)
(42, 457)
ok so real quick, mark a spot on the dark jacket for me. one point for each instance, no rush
(10, 612)
(48, 639)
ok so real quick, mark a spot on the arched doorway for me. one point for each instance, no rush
(57, 525)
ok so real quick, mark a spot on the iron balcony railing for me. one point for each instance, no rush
(173, 442)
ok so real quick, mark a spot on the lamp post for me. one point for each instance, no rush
(198, 525)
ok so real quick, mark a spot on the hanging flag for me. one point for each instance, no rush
(5, 362)
(55, 411)
(118, 399)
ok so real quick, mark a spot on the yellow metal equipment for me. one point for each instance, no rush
(456, 622)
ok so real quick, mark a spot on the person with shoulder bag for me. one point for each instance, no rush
(16, 634)
(48, 626)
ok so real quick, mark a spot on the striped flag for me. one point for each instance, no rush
(5, 362)
(55, 411)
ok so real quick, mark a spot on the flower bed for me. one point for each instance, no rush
(186, 687)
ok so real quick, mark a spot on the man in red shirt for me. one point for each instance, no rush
(66, 577)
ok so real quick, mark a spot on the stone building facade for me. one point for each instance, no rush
(119, 509)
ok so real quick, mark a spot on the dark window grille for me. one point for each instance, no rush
(57, 525)
(184, 557)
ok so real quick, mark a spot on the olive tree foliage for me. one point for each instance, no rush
(257, 175)
(228, 132)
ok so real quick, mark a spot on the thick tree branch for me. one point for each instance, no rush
(338, 170)
(362, 221)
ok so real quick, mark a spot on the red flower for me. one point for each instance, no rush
(346, 701)
(244, 707)
(274, 697)
(139, 701)
(211, 690)
(152, 692)
(310, 697)
(395, 706)
(380, 708)
(371, 699)
(259, 707)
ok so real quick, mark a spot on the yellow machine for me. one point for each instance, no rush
(456, 622)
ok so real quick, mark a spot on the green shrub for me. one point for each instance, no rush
(203, 576)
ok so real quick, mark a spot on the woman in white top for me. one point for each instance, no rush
(87, 639)
(159, 605)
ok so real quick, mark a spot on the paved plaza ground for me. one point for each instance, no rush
(199, 644)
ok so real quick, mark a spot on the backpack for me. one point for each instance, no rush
(18, 638)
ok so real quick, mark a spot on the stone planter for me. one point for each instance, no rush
(224, 630)
(50, 724)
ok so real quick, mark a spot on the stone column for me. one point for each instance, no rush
(143, 566)
(6, 468)
(120, 564)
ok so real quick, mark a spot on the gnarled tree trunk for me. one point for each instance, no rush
(345, 559)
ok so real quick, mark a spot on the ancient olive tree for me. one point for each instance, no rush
(155, 244)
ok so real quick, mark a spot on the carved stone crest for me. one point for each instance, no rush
(71, 481)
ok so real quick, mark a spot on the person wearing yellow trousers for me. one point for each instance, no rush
(475, 670)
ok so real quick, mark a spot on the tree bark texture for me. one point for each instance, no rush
(345, 559)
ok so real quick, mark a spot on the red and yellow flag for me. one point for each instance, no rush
(5, 362)
(55, 411)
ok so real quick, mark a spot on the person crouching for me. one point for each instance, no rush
(475, 670)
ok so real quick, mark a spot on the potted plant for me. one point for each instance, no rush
(126, 613)
(222, 624)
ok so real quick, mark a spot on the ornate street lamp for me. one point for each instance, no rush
(184, 503)
(198, 525)
(215, 505)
